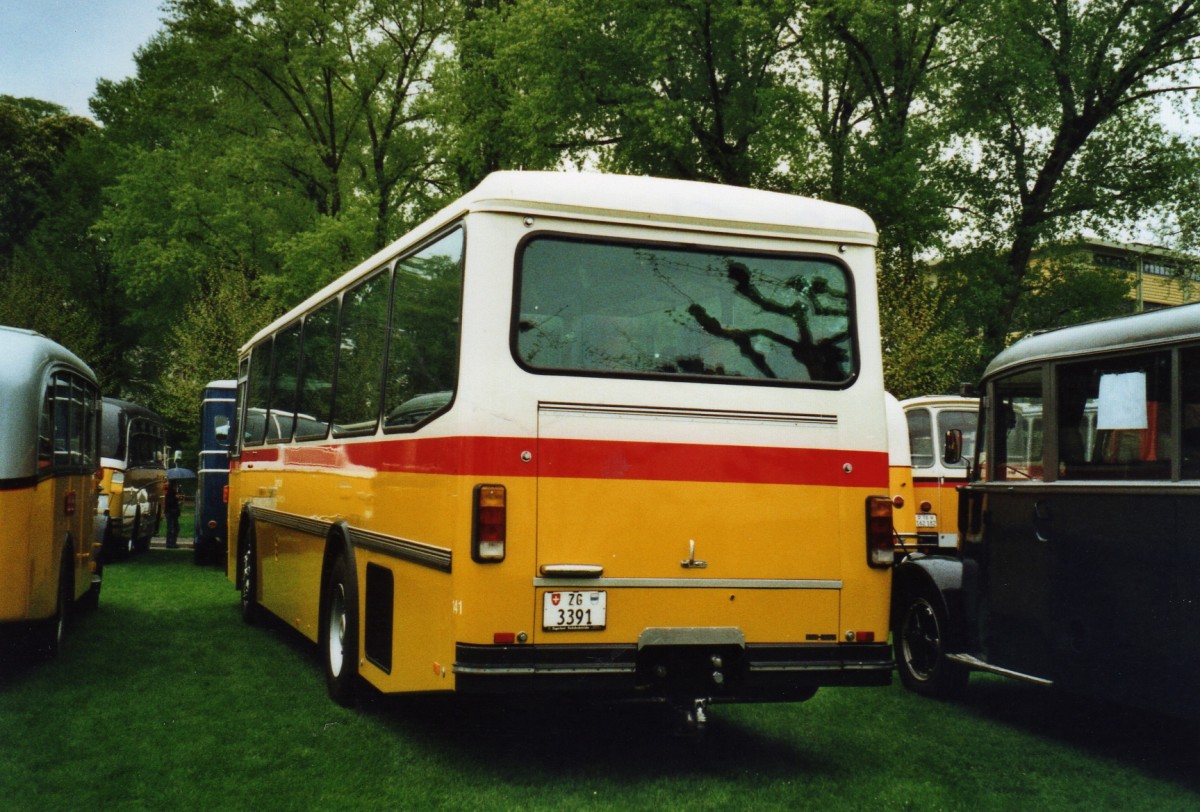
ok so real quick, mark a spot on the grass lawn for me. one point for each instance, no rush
(164, 699)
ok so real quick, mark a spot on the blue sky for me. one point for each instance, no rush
(56, 50)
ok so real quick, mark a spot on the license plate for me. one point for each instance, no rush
(574, 611)
(926, 520)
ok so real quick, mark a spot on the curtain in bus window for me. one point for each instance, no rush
(1114, 418)
(664, 310)
(258, 390)
(920, 437)
(315, 396)
(422, 366)
(1018, 427)
(285, 372)
(360, 357)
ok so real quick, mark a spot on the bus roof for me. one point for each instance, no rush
(944, 401)
(1126, 332)
(632, 200)
(26, 358)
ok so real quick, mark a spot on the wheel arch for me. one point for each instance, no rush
(337, 544)
(939, 577)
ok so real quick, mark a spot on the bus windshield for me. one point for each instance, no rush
(649, 310)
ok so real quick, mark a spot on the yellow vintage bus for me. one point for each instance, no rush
(936, 481)
(49, 429)
(900, 478)
(133, 476)
(579, 432)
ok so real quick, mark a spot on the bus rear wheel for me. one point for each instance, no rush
(338, 633)
(920, 643)
(49, 634)
(248, 577)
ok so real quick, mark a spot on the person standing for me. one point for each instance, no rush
(171, 498)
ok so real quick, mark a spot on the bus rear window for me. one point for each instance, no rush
(648, 310)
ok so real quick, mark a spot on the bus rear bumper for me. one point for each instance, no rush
(747, 673)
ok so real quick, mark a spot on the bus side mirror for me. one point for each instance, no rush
(953, 447)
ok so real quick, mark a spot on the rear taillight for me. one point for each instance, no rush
(490, 525)
(225, 495)
(879, 531)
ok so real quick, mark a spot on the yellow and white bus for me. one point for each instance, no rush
(579, 432)
(935, 481)
(49, 433)
(133, 475)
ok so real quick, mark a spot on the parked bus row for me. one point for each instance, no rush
(81, 479)
(628, 437)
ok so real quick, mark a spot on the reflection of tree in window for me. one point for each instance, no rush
(423, 352)
(825, 358)
(360, 360)
(648, 309)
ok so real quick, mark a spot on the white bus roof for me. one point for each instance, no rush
(26, 358)
(629, 200)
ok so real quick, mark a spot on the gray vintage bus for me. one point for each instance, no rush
(1079, 545)
(49, 433)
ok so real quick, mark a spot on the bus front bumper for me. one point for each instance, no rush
(750, 673)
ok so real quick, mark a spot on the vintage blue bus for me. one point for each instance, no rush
(216, 421)
(1080, 546)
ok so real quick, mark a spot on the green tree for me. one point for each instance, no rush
(1061, 104)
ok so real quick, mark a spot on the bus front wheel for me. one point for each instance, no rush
(920, 643)
(339, 632)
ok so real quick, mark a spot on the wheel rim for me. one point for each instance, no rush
(247, 577)
(337, 629)
(921, 639)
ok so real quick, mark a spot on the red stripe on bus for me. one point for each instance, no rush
(593, 459)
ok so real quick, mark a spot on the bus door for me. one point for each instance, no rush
(1012, 567)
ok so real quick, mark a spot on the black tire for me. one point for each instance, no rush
(49, 634)
(139, 543)
(248, 574)
(90, 600)
(338, 632)
(920, 645)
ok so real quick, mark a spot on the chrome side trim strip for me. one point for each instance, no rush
(598, 668)
(975, 662)
(437, 558)
(414, 552)
(687, 583)
(689, 414)
(303, 524)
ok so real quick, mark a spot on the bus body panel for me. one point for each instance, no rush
(212, 477)
(766, 485)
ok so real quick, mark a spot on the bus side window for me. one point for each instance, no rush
(1019, 400)
(315, 395)
(920, 437)
(361, 355)
(1114, 418)
(258, 388)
